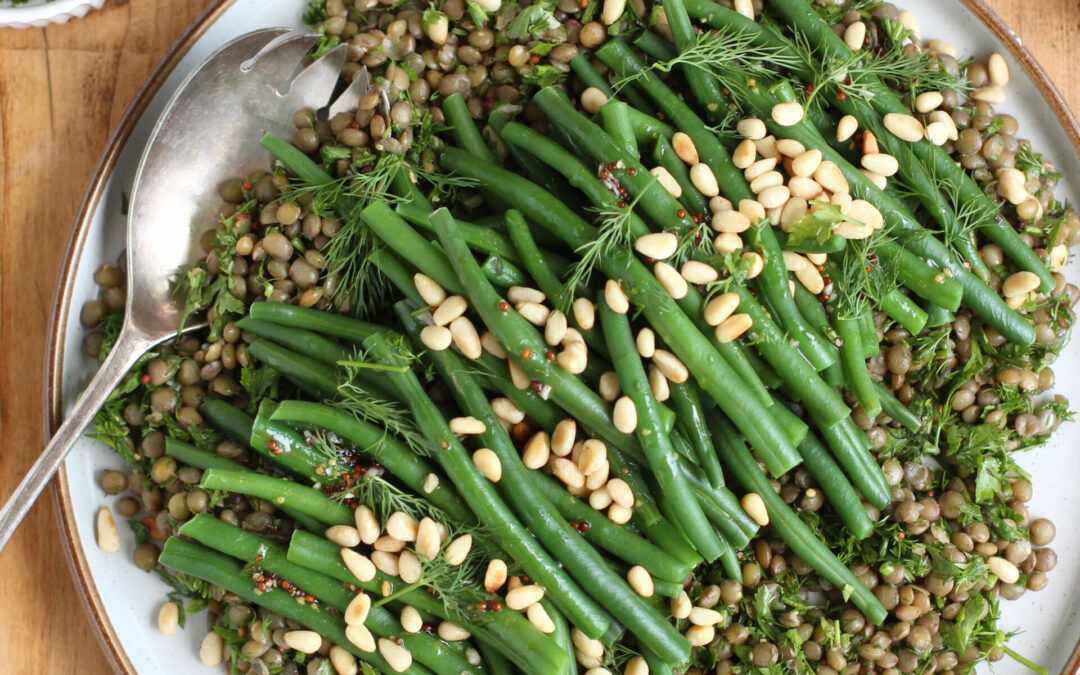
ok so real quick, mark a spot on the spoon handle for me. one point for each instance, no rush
(130, 345)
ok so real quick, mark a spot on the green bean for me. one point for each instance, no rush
(903, 310)
(616, 121)
(665, 156)
(284, 446)
(480, 238)
(704, 88)
(589, 76)
(409, 245)
(838, 490)
(502, 273)
(297, 339)
(228, 418)
(228, 573)
(897, 410)
(851, 449)
(279, 492)
(464, 130)
(783, 521)
(529, 166)
(691, 419)
(343, 327)
(851, 352)
(317, 378)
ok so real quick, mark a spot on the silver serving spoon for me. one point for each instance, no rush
(208, 133)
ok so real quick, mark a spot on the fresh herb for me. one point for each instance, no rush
(542, 75)
(325, 44)
(533, 22)
(141, 532)
(816, 225)
(260, 382)
(316, 12)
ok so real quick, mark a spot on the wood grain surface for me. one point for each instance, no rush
(62, 90)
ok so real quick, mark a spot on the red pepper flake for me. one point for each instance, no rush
(680, 214)
(726, 91)
(526, 353)
(145, 379)
(496, 606)
(309, 598)
(632, 171)
(534, 59)
(246, 185)
(549, 355)
(504, 306)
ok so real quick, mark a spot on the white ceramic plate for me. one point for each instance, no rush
(124, 601)
(40, 13)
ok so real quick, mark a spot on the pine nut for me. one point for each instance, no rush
(506, 410)
(636, 666)
(645, 342)
(744, 155)
(774, 197)
(670, 365)
(720, 308)
(562, 437)
(495, 575)
(998, 70)
(533, 312)
(345, 536)
(759, 168)
(846, 128)
(600, 498)
(1011, 185)
(592, 99)
(865, 213)
(428, 540)
(704, 180)
(619, 515)
(793, 212)
(944, 118)
(609, 387)
(658, 384)
(573, 358)
(450, 309)
(733, 327)
(430, 291)
(855, 35)
(766, 180)
(641, 581)
(657, 245)
(789, 147)
(701, 616)
(568, 472)
(108, 538)
(612, 11)
(385, 562)
(360, 637)
(624, 415)
(388, 544)
(881, 163)
(615, 297)
(411, 621)
(397, 656)
(941, 47)
(357, 610)
(830, 177)
(467, 426)
(211, 650)
(698, 273)
(684, 148)
(437, 31)
(584, 313)
(1019, 283)
(869, 143)
(168, 618)
(491, 345)
(409, 568)
(766, 147)
(681, 606)
(752, 128)
(620, 492)
(754, 506)
(811, 279)
(744, 7)
(756, 263)
(536, 452)
(451, 632)
(539, 618)
(519, 294)
(879, 181)
(1059, 255)
(522, 597)
(458, 549)
(466, 338)
(597, 477)
(1003, 569)
(807, 163)
(992, 94)
(436, 338)
(586, 645)
(430, 484)
(842, 200)
(358, 564)
(671, 280)
(730, 221)
(664, 177)
(787, 114)
(907, 20)
(752, 209)
(727, 242)
(904, 127)
(854, 231)
(937, 133)
(699, 636)
(488, 464)
(490, 6)
(593, 454)
(928, 101)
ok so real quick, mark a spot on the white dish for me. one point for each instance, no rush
(40, 13)
(124, 601)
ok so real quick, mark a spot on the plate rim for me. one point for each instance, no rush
(77, 564)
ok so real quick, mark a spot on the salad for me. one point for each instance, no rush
(610, 337)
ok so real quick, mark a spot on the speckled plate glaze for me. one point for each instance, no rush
(123, 602)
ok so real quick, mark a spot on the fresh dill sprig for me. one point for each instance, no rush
(384, 499)
(354, 398)
(860, 282)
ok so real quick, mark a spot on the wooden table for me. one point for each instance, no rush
(62, 90)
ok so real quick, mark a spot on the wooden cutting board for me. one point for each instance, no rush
(62, 90)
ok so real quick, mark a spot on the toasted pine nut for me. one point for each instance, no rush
(536, 452)
(586, 645)
(592, 99)
(681, 606)
(168, 618)
(876, 178)
(573, 358)
(730, 221)
(615, 297)
(947, 120)
(657, 245)
(495, 575)
(360, 637)
(436, 338)
(385, 562)
(619, 515)
(846, 128)
(787, 114)
(854, 35)
(756, 263)
(108, 538)
(793, 211)
(684, 148)
(727, 242)
(636, 666)
(357, 611)
(759, 168)
(397, 656)
(450, 309)
(409, 568)
(733, 327)
(211, 650)
(752, 209)
(904, 127)
(345, 536)
(721, 307)
(524, 596)
(491, 345)
(609, 386)
(359, 564)
(658, 384)
(466, 338)
(1059, 255)
(701, 616)
(467, 426)
(539, 618)
(505, 410)
(774, 197)
(807, 163)
(428, 540)
(597, 477)
(641, 581)
(671, 280)
(699, 636)
(744, 155)
(584, 313)
(1011, 185)
(744, 7)
(562, 437)
(670, 365)
(664, 177)
(789, 147)
(1019, 283)
(928, 101)
(829, 176)
(533, 312)
(992, 94)
(998, 70)
(766, 180)
(612, 11)
(937, 133)
(881, 163)
(518, 294)
(600, 498)
(411, 621)
(849, 230)
(430, 484)
(941, 47)
(458, 549)
(752, 128)
(645, 342)
(624, 415)
(430, 291)
(620, 492)
(907, 20)
(704, 180)
(568, 472)
(754, 506)
(698, 273)
(593, 455)
(488, 464)
(866, 213)
(1003, 569)
(766, 147)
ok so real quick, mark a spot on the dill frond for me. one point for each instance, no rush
(860, 282)
(353, 397)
